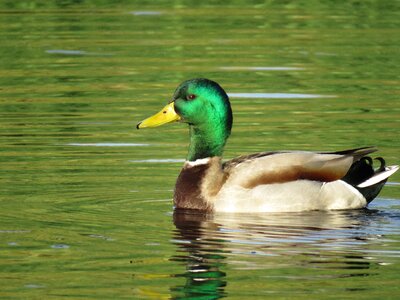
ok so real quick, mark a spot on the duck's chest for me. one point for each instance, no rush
(198, 184)
(188, 192)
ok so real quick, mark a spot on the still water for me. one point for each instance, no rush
(85, 199)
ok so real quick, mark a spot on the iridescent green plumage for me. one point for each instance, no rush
(205, 106)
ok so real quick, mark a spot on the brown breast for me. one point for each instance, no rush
(188, 194)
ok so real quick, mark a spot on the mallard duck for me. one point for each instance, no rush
(281, 181)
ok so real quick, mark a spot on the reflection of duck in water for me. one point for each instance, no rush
(285, 246)
(261, 182)
(204, 279)
(278, 229)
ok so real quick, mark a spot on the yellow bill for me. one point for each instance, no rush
(166, 115)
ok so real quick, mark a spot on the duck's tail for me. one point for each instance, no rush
(367, 180)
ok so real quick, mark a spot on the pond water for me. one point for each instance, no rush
(85, 198)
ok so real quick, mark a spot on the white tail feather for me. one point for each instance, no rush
(379, 177)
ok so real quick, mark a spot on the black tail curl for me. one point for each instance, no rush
(363, 170)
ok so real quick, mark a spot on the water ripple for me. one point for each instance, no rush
(145, 13)
(262, 68)
(155, 160)
(278, 96)
(108, 144)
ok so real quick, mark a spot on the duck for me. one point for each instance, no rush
(270, 181)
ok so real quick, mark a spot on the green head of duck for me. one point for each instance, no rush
(205, 106)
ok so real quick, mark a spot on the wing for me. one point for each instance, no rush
(278, 167)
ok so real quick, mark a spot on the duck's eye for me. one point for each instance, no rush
(191, 97)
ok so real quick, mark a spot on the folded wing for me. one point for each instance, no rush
(279, 167)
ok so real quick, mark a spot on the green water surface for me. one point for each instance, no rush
(85, 198)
